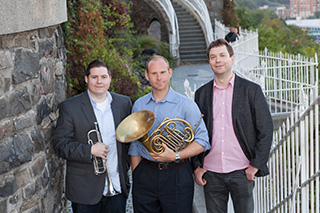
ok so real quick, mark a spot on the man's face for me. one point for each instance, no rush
(220, 60)
(98, 81)
(158, 75)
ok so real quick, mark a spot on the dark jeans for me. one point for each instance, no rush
(220, 185)
(169, 190)
(114, 204)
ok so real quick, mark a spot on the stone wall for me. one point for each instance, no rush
(215, 8)
(142, 15)
(32, 84)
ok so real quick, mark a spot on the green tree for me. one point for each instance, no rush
(100, 31)
(275, 34)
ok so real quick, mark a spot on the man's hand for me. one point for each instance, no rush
(100, 150)
(167, 156)
(198, 176)
(250, 172)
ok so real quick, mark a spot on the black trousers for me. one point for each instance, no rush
(114, 204)
(167, 190)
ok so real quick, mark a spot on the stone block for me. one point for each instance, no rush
(24, 121)
(43, 110)
(46, 48)
(37, 140)
(7, 185)
(60, 91)
(22, 177)
(47, 76)
(15, 151)
(30, 204)
(7, 155)
(23, 147)
(26, 66)
(31, 190)
(19, 101)
(37, 166)
(36, 91)
(6, 128)
(5, 59)
(14, 199)
(3, 206)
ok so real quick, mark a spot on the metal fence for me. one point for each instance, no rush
(287, 80)
(293, 184)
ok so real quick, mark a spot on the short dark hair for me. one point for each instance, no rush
(96, 63)
(220, 42)
(156, 58)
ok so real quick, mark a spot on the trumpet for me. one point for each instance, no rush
(99, 164)
(137, 125)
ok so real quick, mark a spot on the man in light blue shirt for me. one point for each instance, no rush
(163, 182)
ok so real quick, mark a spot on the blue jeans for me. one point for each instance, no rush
(114, 204)
(218, 187)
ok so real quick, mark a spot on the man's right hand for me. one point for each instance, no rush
(198, 176)
(100, 150)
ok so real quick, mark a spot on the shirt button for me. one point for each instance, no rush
(222, 103)
(222, 153)
(222, 141)
(222, 115)
(222, 128)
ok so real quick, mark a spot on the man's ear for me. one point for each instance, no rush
(86, 79)
(146, 75)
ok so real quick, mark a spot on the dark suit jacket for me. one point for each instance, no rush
(71, 143)
(251, 119)
(231, 37)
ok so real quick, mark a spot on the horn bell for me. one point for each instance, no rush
(135, 126)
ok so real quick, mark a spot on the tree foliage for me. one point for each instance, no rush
(229, 14)
(275, 34)
(96, 31)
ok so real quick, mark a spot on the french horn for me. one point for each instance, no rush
(137, 125)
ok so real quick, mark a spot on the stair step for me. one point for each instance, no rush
(192, 41)
(191, 51)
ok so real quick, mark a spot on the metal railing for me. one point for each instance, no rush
(293, 184)
(200, 11)
(174, 38)
(281, 76)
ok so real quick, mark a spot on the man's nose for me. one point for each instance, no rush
(218, 58)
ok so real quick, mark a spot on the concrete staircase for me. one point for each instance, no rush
(192, 41)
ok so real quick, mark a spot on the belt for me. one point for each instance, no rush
(163, 166)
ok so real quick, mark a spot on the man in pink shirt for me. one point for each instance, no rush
(240, 131)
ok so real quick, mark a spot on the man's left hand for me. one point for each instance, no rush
(250, 172)
(167, 156)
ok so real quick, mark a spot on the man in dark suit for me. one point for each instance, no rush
(87, 191)
(240, 131)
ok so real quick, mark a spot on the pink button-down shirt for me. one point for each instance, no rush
(226, 154)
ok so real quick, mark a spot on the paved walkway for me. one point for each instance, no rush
(196, 75)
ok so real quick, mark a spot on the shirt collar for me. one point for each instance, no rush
(231, 82)
(94, 103)
(170, 97)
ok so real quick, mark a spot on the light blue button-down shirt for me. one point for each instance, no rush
(108, 135)
(174, 105)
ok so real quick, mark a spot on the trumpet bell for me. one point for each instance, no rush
(135, 126)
